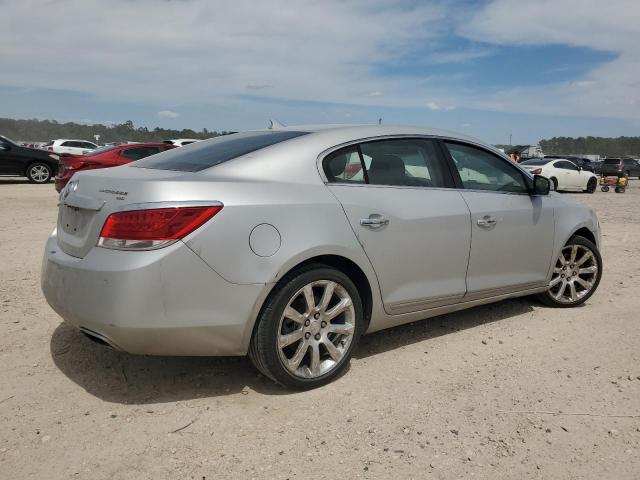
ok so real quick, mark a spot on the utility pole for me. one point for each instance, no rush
(510, 139)
(380, 121)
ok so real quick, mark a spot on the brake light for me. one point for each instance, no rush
(152, 228)
(50, 149)
(537, 171)
(77, 164)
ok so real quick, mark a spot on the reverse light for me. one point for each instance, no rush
(152, 228)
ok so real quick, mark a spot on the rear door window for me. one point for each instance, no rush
(201, 155)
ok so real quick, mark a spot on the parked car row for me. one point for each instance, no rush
(62, 158)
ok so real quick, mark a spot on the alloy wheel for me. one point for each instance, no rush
(316, 329)
(574, 274)
(39, 173)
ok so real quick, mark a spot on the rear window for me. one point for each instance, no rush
(611, 161)
(201, 155)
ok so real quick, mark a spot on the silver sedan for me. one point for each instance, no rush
(289, 244)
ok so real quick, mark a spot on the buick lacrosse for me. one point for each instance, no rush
(289, 244)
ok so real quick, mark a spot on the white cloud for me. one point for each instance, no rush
(168, 114)
(612, 89)
(202, 52)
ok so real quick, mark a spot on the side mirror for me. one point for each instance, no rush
(541, 185)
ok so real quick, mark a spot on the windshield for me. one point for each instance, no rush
(201, 155)
(536, 161)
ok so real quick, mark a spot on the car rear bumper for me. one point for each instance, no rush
(161, 302)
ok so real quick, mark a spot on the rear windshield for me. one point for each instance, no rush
(611, 161)
(536, 161)
(100, 150)
(201, 155)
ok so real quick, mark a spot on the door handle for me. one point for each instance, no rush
(374, 221)
(486, 222)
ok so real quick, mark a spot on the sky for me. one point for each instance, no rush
(493, 69)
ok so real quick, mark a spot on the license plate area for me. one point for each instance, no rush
(74, 220)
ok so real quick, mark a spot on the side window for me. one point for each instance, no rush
(566, 166)
(344, 166)
(68, 144)
(405, 162)
(481, 170)
(138, 153)
(88, 145)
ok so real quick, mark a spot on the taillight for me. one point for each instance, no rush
(50, 149)
(537, 171)
(153, 228)
(77, 164)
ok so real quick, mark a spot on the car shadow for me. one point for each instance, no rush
(19, 181)
(124, 378)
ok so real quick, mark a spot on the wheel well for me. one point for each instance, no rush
(586, 233)
(351, 270)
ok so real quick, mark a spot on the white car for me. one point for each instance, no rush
(74, 147)
(181, 142)
(564, 174)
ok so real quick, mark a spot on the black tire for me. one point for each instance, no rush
(592, 184)
(546, 297)
(554, 180)
(619, 189)
(264, 352)
(39, 172)
(604, 189)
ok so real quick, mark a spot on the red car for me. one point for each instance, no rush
(105, 157)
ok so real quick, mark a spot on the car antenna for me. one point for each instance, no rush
(275, 124)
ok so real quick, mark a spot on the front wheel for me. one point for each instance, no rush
(39, 172)
(576, 274)
(592, 184)
(308, 328)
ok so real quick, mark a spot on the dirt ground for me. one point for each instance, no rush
(509, 390)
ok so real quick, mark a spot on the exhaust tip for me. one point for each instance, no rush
(97, 338)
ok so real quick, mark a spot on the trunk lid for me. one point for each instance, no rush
(90, 197)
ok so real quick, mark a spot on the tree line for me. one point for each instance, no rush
(603, 146)
(45, 130)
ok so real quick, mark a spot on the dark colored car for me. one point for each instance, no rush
(583, 163)
(105, 157)
(38, 166)
(621, 167)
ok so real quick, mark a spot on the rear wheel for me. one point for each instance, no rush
(576, 274)
(604, 189)
(592, 184)
(39, 172)
(554, 180)
(308, 328)
(619, 189)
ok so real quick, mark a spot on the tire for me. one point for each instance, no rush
(292, 364)
(604, 189)
(39, 172)
(619, 189)
(554, 180)
(592, 184)
(566, 278)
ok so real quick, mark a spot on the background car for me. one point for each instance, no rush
(105, 157)
(74, 147)
(181, 142)
(564, 174)
(260, 243)
(37, 165)
(583, 163)
(620, 166)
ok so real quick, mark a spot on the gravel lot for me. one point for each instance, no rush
(509, 390)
